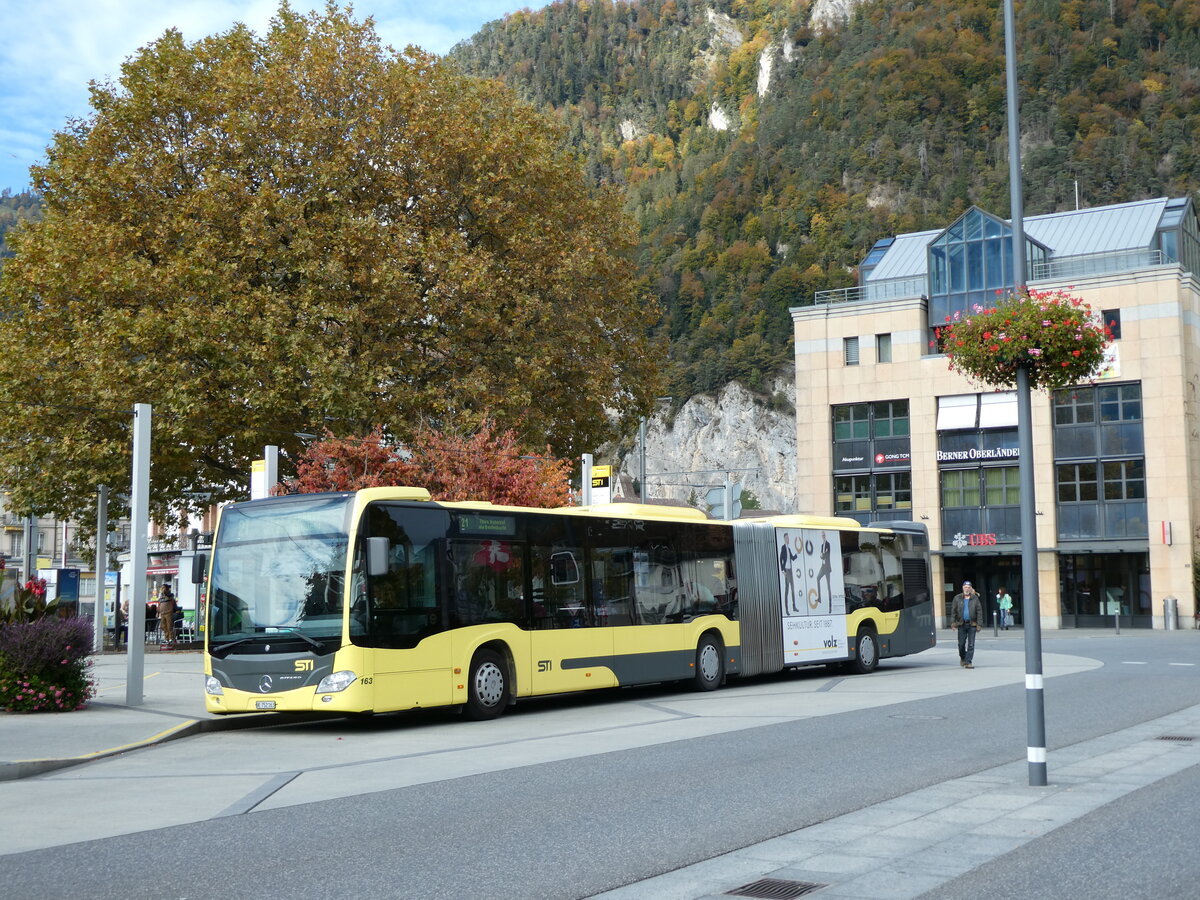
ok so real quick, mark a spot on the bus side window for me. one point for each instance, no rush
(558, 600)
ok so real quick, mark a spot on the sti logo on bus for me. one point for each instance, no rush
(304, 665)
(545, 665)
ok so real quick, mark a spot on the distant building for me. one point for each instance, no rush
(886, 431)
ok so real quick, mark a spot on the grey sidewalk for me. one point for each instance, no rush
(172, 707)
(905, 847)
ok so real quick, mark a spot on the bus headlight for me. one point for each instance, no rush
(212, 686)
(338, 681)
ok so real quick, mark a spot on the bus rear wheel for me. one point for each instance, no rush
(487, 686)
(710, 664)
(866, 653)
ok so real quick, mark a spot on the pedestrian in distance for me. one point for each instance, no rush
(166, 614)
(1004, 603)
(966, 615)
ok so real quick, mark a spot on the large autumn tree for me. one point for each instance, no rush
(262, 235)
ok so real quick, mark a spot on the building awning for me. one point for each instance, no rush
(162, 570)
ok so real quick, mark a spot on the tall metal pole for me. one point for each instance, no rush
(642, 472)
(1014, 149)
(101, 571)
(1035, 698)
(1035, 701)
(271, 459)
(28, 538)
(586, 479)
(139, 544)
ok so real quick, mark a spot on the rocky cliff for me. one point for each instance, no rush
(748, 436)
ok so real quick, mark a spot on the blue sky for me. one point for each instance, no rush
(53, 48)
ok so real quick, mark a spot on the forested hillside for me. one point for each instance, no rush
(763, 153)
(14, 208)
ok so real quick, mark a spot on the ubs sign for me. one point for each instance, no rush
(974, 540)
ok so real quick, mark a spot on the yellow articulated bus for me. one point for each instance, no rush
(381, 600)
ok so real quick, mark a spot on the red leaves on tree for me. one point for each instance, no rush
(487, 465)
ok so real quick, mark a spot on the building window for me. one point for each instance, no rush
(1125, 479)
(960, 488)
(851, 422)
(1112, 319)
(1077, 483)
(881, 492)
(883, 348)
(893, 490)
(891, 418)
(1120, 403)
(1074, 407)
(852, 493)
(1002, 486)
(850, 350)
(969, 262)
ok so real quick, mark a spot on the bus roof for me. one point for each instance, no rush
(638, 511)
(804, 521)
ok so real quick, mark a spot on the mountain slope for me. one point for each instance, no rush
(764, 145)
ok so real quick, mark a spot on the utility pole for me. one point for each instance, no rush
(139, 543)
(1035, 701)
(28, 536)
(101, 571)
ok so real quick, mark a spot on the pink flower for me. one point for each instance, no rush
(1035, 352)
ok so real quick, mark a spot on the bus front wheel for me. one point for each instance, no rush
(866, 653)
(710, 664)
(487, 687)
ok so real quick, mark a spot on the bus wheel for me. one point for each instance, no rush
(710, 664)
(487, 688)
(866, 653)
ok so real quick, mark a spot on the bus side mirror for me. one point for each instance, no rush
(378, 550)
(199, 567)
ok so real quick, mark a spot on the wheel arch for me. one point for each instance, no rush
(501, 647)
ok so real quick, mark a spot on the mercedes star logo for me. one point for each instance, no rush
(264, 684)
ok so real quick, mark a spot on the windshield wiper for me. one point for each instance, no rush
(220, 648)
(316, 645)
(284, 633)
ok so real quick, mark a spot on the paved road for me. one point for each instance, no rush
(566, 798)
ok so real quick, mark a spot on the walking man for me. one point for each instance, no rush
(966, 615)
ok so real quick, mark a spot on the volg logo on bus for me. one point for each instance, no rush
(304, 665)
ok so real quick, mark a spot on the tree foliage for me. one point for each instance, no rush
(261, 235)
(487, 465)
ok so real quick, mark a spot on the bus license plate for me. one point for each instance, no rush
(264, 704)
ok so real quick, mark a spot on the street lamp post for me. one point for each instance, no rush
(1035, 710)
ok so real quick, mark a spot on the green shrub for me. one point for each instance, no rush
(45, 665)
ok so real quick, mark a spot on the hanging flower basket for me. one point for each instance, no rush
(1056, 337)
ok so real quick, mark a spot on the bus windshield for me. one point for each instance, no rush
(279, 568)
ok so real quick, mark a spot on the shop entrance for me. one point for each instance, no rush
(1094, 588)
(988, 574)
